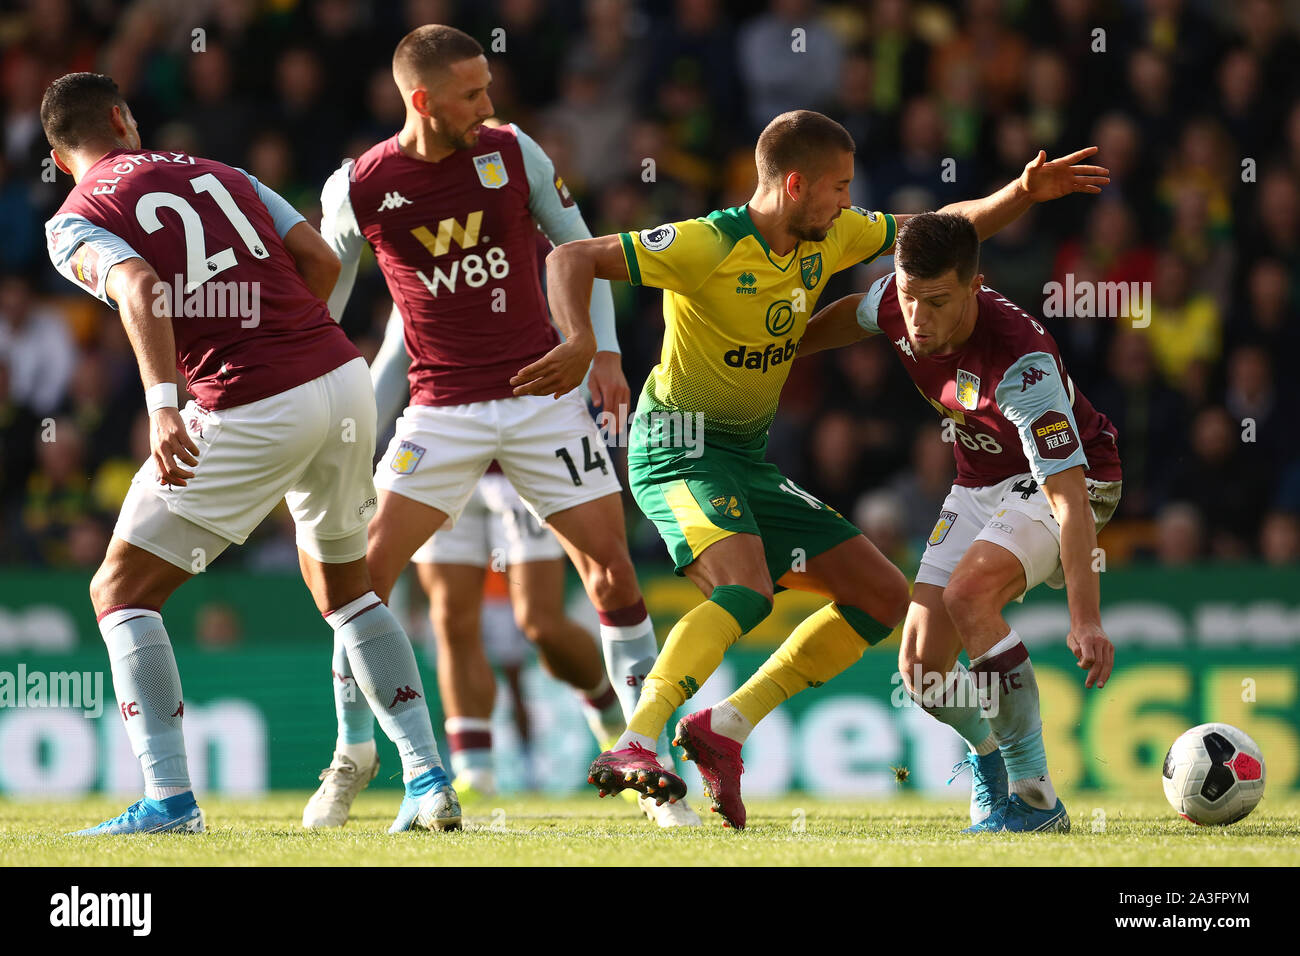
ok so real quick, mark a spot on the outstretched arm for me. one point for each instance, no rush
(834, 326)
(1041, 181)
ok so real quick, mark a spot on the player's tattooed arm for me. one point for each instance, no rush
(834, 326)
(571, 269)
(1067, 493)
(134, 286)
(1041, 181)
(314, 259)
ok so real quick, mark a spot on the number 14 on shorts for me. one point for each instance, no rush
(591, 460)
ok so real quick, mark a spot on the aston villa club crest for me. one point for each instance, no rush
(968, 389)
(810, 268)
(491, 169)
(941, 527)
(407, 457)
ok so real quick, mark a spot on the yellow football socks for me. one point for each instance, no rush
(823, 645)
(692, 652)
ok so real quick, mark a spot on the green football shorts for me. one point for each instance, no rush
(723, 490)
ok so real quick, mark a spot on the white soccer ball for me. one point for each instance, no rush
(1214, 775)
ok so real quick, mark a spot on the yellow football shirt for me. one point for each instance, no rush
(734, 313)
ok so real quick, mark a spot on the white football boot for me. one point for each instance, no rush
(341, 781)
(667, 814)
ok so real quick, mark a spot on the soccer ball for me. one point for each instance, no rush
(1214, 775)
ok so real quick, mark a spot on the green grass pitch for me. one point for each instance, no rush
(579, 831)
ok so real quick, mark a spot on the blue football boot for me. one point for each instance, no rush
(1013, 815)
(430, 803)
(988, 783)
(178, 814)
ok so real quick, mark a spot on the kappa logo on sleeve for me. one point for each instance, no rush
(1053, 436)
(1030, 376)
(85, 266)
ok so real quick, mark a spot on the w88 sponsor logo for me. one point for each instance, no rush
(472, 269)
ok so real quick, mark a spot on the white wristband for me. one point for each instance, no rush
(162, 395)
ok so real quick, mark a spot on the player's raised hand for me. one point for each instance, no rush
(560, 370)
(609, 390)
(1043, 180)
(1094, 651)
(169, 441)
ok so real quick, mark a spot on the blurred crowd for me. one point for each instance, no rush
(650, 111)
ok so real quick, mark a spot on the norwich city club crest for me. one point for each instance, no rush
(491, 169)
(728, 507)
(810, 267)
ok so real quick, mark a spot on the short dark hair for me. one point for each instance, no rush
(930, 244)
(800, 140)
(76, 108)
(430, 49)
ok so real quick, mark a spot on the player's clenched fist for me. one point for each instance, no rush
(169, 441)
(560, 370)
(1095, 653)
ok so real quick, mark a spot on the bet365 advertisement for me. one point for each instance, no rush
(1206, 644)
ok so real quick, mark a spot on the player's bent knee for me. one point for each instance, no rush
(966, 600)
(894, 599)
(101, 593)
(455, 628)
(909, 656)
(119, 582)
(748, 606)
(612, 585)
(869, 628)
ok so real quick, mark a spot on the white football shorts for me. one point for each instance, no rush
(549, 449)
(503, 643)
(1014, 514)
(311, 446)
(494, 530)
